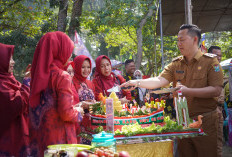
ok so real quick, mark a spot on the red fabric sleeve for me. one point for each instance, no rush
(90, 85)
(125, 93)
(97, 90)
(25, 96)
(65, 98)
(13, 104)
(75, 95)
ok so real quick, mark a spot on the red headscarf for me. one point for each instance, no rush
(9, 89)
(106, 81)
(54, 48)
(6, 51)
(6, 78)
(69, 63)
(78, 61)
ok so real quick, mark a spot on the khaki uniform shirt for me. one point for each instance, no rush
(203, 71)
(221, 98)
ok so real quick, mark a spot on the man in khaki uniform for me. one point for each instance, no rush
(220, 101)
(201, 80)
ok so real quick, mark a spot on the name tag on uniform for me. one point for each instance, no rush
(179, 71)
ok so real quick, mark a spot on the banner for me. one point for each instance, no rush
(156, 118)
(80, 48)
(203, 48)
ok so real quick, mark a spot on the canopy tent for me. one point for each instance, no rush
(226, 63)
(208, 15)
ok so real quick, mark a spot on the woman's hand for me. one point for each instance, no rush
(85, 104)
(28, 72)
(131, 83)
(124, 100)
(79, 109)
(91, 101)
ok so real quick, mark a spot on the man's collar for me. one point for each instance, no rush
(198, 55)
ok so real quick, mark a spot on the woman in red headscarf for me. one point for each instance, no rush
(53, 114)
(70, 68)
(14, 96)
(84, 87)
(106, 79)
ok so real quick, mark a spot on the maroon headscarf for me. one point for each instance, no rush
(78, 61)
(106, 81)
(6, 51)
(7, 79)
(10, 90)
(54, 48)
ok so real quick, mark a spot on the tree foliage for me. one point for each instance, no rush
(24, 15)
(120, 29)
(22, 23)
(121, 23)
(221, 39)
(24, 50)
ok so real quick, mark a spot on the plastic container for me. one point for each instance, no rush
(104, 140)
(60, 153)
(70, 149)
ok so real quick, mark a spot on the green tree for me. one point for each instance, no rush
(22, 23)
(24, 15)
(121, 29)
(221, 39)
(122, 23)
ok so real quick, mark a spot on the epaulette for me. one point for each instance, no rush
(211, 55)
(177, 58)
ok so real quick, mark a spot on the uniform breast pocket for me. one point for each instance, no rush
(179, 77)
(199, 79)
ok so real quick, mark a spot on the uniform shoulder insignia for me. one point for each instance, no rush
(177, 58)
(210, 55)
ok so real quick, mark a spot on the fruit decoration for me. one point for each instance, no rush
(102, 98)
(134, 129)
(116, 102)
(82, 154)
(198, 123)
(127, 110)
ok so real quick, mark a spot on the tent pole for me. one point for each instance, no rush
(161, 34)
(188, 11)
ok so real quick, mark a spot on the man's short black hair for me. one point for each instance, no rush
(193, 30)
(128, 61)
(210, 50)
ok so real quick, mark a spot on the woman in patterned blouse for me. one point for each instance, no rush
(84, 87)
